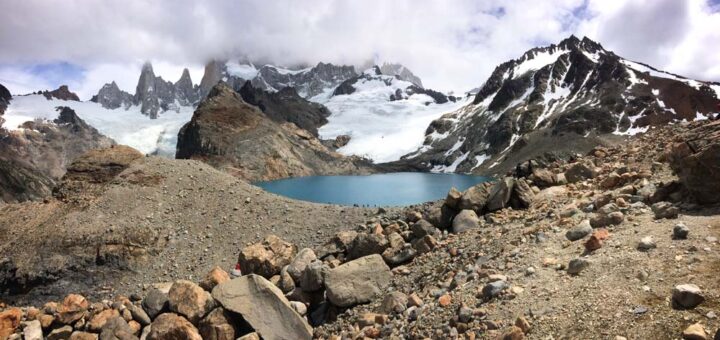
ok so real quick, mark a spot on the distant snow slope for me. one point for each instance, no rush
(129, 127)
(380, 129)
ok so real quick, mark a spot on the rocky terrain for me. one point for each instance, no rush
(5, 98)
(618, 243)
(33, 158)
(570, 96)
(234, 136)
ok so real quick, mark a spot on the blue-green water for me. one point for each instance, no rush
(393, 189)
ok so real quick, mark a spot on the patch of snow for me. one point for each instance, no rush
(699, 116)
(550, 99)
(595, 57)
(129, 127)
(634, 80)
(289, 71)
(452, 167)
(455, 147)
(540, 60)
(380, 129)
(244, 71)
(655, 92)
(660, 74)
(479, 160)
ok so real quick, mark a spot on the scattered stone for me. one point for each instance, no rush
(98, 321)
(313, 277)
(494, 289)
(695, 332)
(414, 301)
(466, 219)
(214, 277)
(77, 335)
(264, 307)
(61, 333)
(513, 333)
(523, 324)
(117, 329)
(423, 228)
(32, 330)
(580, 171)
(299, 307)
(268, 257)
(250, 336)
(395, 302)
(680, 231)
(139, 315)
(9, 321)
(577, 265)
(73, 308)
(357, 281)
(646, 243)
(425, 244)
(665, 210)
(367, 244)
(170, 326)
(189, 300)
(580, 231)
(687, 296)
(444, 300)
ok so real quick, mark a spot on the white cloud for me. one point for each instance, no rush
(450, 45)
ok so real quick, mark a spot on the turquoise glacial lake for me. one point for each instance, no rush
(392, 189)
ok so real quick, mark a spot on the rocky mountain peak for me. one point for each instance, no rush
(402, 72)
(111, 97)
(62, 93)
(185, 89)
(5, 98)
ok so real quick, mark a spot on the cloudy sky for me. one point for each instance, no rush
(451, 45)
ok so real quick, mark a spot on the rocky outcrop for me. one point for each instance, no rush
(35, 157)
(230, 134)
(111, 97)
(62, 93)
(557, 101)
(401, 88)
(401, 72)
(5, 98)
(286, 106)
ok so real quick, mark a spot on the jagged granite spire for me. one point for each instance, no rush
(186, 93)
(111, 97)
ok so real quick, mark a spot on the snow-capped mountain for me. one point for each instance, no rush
(384, 116)
(560, 98)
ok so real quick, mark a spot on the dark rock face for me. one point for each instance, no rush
(228, 133)
(153, 94)
(111, 97)
(563, 98)
(286, 106)
(308, 83)
(185, 90)
(36, 157)
(5, 98)
(62, 93)
(695, 157)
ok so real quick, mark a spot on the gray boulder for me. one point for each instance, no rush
(500, 194)
(581, 230)
(665, 210)
(155, 303)
(263, 306)
(581, 171)
(300, 262)
(687, 296)
(466, 219)
(357, 281)
(313, 276)
(366, 244)
(475, 197)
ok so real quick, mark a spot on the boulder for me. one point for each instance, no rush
(285, 281)
(266, 258)
(696, 161)
(425, 244)
(61, 333)
(338, 244)
(440, 215)
(452, 199)
(421, 228)
(680, 232)
(665, 210)
(466, 219)
(117, 329)
(73, 308)
(170, 326)
(695, 331)
(300, 262)
(522, 195)
(138, 314)
(313, 276)
(32, 330)
(687, 296)
(475, 197)
(357, 281)
(77, 335)
(367, 244)
(214, 277)
(98, 321)
(603, 220)
(543, 178)
(155, 302)
(264, 307)
(581, 171)
(397, 256)
(500, 194)
(494, 289)
(189, 300)
(9, 322)
(218, 325)
(580, 231)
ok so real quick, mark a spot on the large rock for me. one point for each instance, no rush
(218, 325)
(696, 160)
(543, 178)
(268, 257)
(73, 308)
(581, 230)
(522, 194)
(117, 329)
(421, 228)
(665, 210)
(466, 219)
(581, 171)
(367, 244)
(214, 277)
(687, 296)
(357, 281)
(9, 322)
(440, 215)
(300, 262)
(170, 326)
(189, 300)
(155, 302)
(264, 307)
(500, 194)
(453, 198)
(475, 197)
(32, 330)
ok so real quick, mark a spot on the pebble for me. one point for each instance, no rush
(680, 231)
(577, 265)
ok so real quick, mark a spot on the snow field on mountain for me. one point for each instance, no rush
(380, 129)
(129, 127)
